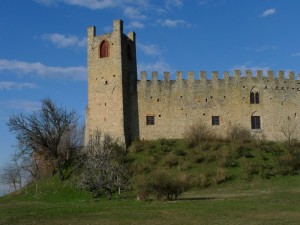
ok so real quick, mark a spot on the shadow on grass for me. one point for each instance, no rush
(196, 199)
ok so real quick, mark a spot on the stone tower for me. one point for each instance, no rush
(112, 84)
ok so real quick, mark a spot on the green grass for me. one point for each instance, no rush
(273, 201)
(246, 196)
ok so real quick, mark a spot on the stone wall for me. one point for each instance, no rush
(118, 103)
(178, 104)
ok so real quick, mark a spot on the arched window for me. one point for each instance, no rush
(104, 49)
(255, 121)
(129, 53)
(254, 96)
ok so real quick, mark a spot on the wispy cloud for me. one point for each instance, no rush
(268, 12)
(149, 49)
(65, 41)
(297, 54)
(20, 105)
(90, 4)
(263, 48)
(46, 2)
(8, 85)
(173, 23)
(176, 3)
(160, 66)
(249, 66)
(41, 70)
(212, 3)
(135, 24)
(133, 13)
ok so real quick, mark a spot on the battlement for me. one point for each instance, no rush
(237, 75)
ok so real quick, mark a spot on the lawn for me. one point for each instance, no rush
(267, 202)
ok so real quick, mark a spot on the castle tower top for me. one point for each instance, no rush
(118, 26)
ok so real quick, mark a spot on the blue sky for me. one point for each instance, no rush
(43, 44)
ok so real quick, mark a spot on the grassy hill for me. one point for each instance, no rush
(229, 183)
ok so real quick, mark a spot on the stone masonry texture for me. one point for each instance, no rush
(118, 103)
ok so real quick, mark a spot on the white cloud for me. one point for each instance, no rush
(177, 3)
(65, 41)
(248, 66)
(268, 12)
(46, 2)
(8, 85)
(263, 48)
(133, 13)
(95, 4)
(21, 105)
(149, 49)
(173, 23)
(90, 4)
(297, 54)
(160, 66)
(41, 70)
(136, 24)
(212, 3)
(202, 2)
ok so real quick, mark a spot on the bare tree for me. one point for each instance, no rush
(41, 133)
(289, 130)
(11, 174)
(101, 166)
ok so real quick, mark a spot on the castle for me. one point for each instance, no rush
(127, 108)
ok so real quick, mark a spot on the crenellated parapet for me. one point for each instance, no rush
(237, 75)
(191, 84)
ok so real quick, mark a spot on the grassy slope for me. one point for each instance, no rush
(274, 201)
(236, 201)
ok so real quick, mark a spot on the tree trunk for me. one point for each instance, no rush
(59, 171)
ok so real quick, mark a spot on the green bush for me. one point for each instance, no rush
(197, 133)
(289, 164)
(250, 169)
(163, 185)
(220, 176)
(171, 160)
(239, 134)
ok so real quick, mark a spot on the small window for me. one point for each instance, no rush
(215, 120)
(104, 49)
(255, 122)
(150, 120)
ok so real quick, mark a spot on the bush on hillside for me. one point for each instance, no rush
(197, 133)
(162, 184)
(238, 134)
(101, 170)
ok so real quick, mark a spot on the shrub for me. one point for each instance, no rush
(267, 171)
(289, 164)
(197, 133)
(230, 160)
(250, 169)
(244, 151)
(171, 160)
(203, 181)
(101, 167)
(139, 167)
(179, 152)
(137, 146)
(239, 134)
(221, 176)
(163, 185)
